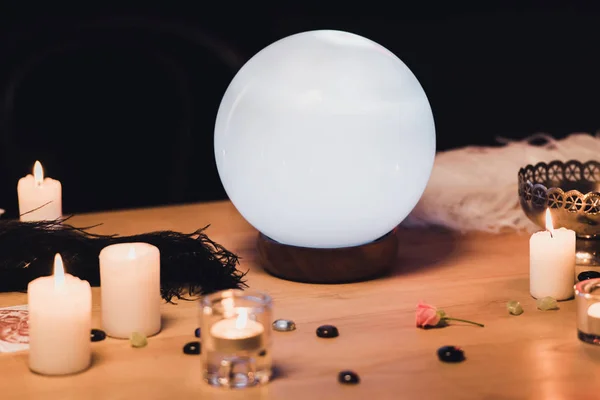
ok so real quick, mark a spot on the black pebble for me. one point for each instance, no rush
(585, 275)
(451, 354)
(348, 377)
(262, 353)
(327, 331)
(97, 335)
(192, 348)
(197, 332)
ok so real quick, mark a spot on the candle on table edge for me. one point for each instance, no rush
(39, 198)
(552, 262)
(130, 287)
(60, 321)
(237, 334)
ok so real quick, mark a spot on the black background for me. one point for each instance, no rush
(120, 104)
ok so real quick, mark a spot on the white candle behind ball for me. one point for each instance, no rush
(39, 198)
(130, 287)
(552, 262)
(60, 320)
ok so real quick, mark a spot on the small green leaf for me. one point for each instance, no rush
(547, 303)
(514, 307)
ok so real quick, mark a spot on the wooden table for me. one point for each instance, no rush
(535, 355)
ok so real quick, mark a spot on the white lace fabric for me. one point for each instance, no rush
(475, 188)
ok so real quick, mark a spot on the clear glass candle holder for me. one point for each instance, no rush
(236, 338)
(587, 295)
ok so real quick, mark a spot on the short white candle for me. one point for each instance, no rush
(60, 320)
(39, 198)
(237, 334)
(130, 287)
(552, 262)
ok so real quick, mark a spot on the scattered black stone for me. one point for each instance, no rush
(197, 332)
(451, 354)
(585, 275)
(97, 335)
(262, 353)
(192, 348)
(327, 331)
(348, 377)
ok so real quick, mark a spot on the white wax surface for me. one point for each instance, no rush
(60, 320)
(594, 310)
(226, 337)
(130, 289)
(226, 329)
(552, 264)
(32, 196)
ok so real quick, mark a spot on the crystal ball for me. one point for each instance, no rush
(324, 139)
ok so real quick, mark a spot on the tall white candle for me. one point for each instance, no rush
(39, 198)
(130, 287)
(60, 320)
(552, 262)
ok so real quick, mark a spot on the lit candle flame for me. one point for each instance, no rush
(242, 319)
(59, 272)
(549, 226)
(228, 308)
(38, 173)
(131, 254)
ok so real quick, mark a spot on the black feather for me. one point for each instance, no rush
(191, 264)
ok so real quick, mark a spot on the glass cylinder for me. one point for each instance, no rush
(236, 338)
(587, 295)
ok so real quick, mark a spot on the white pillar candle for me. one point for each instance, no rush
(39, 198)
(552, 262)
(60, 321)
(130, 287)
(237, 334)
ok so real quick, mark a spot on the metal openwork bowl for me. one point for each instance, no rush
(571, 190)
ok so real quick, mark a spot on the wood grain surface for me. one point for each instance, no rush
(532, 356)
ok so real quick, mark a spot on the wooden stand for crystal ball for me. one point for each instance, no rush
(339, 265)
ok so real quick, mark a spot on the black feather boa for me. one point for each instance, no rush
(191, 263)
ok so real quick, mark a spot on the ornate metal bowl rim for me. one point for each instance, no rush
(539, 185)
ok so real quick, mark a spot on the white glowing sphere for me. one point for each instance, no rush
(324, 139)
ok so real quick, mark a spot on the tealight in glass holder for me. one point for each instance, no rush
(236, 338)
(587, 295)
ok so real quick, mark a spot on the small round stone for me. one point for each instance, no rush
(327, 331)
(197, 332)
(547, 303)
(451, 354)
(97, 335)
(585, 275)
(514, 307)
(284, 325)
(348, 377)
(192, 348)
(138, 340)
